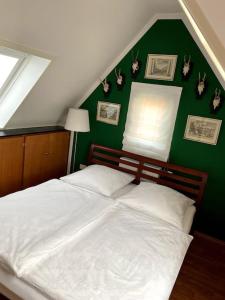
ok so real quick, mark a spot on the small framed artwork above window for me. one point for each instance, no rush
(203, 130)
(161, 67)
(108, 112)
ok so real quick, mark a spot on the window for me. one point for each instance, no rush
(10, 62)
(19, 73)
(150, 120)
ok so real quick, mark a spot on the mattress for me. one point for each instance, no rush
(27, 291)
(124, 190)
(127, 255)
(188, 217)
(40, 219)
(20, 288)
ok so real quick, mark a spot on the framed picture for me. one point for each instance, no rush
(202, 130)
(161, 67)
(108, 112)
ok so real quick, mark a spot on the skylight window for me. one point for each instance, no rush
(7, 64)
(19, 72)
(10, 62)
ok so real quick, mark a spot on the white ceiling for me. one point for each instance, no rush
(82, 36)
(214, 13)
(206, 24)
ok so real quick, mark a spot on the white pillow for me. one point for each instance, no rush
(99, 179)
(160, 201)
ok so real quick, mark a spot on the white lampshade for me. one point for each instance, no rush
(77, 120)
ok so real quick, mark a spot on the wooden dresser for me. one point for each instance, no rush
(31, 156)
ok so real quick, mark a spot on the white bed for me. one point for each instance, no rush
(36, 221)
(89, 244)
(188, 217)
(27, 291)
(118, 258)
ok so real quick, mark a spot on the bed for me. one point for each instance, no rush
(61, 240)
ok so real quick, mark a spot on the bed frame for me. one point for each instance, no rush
(188, 181)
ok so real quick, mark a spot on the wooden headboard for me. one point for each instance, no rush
(188, 181)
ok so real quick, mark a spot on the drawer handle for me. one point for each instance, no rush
(46, 153)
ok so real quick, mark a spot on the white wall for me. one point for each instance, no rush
(202, 16)
(214, 12)
(82, 37)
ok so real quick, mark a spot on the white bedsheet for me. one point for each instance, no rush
(27, 292)
(36, 221)
(126, 255)
(20, 288)
(188, 218)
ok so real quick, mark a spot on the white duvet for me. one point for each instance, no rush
(38, 220)
(126, 255)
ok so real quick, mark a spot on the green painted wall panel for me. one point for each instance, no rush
(170, 37)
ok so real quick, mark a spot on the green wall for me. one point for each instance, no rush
(170, 37)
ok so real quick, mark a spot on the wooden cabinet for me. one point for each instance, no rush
(11, 164)
(45, 157)
(30, 159)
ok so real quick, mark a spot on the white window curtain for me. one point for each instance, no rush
(150, 120)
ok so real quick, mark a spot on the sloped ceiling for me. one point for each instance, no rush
(83, 37)
(206, 19)
(214, 13)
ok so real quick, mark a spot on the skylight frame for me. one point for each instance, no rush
(23, 77)
(21, 56)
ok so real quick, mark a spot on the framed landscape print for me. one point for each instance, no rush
(161, 67)
(202, 130)
(108, 112)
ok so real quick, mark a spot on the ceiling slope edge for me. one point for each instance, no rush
(150, 23)
(205, 38)
(209, 55)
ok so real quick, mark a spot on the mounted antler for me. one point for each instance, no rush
(135, 59)
(120, 79)
(216, 101)
(106, 86)
(135, 64)
(201, 84)
(117, 75)
(186, 66)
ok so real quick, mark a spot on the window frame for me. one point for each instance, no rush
(21, 80)
(21, 56)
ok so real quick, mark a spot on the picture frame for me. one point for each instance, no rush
(108, 112)
(203, 130)
(160, 67)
